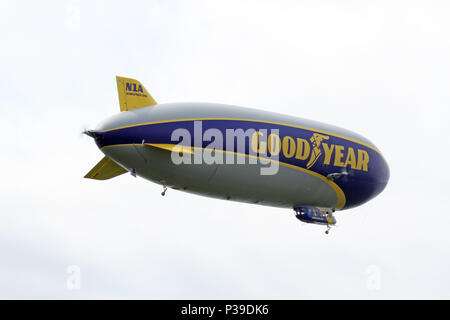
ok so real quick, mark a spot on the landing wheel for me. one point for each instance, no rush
(164, 191)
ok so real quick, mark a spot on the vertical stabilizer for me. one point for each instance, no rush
(132, 94)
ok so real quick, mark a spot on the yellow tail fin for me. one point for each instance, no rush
(105, 169)
(132, 94)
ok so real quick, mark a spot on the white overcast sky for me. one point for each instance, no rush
(380, 68)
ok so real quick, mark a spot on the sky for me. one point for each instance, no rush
(381, 69)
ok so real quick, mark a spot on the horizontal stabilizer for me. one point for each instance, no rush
(105, 169)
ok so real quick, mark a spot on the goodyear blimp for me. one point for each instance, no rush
(239, 154)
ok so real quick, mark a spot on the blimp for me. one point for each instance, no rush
(239, 154)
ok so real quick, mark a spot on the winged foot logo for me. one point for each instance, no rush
(316, 140)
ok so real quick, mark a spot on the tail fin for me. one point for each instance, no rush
(132, 94)
(105, 169)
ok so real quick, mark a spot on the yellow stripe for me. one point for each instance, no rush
(339, 193)
(172, 147)
(251, 120)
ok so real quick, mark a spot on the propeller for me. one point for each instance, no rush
(90, 133)
(82, 131)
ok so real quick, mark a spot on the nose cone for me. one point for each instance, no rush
(386, 174)
(378, 176)
(362, 186)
